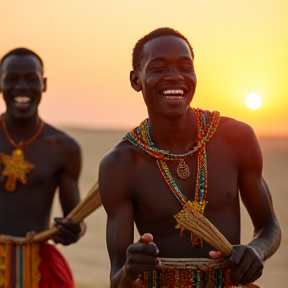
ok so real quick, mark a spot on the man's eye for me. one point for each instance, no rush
(34, 80)
(187, 67)
(10, 79)
(158, 68)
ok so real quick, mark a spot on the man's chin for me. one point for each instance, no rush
(176, 113)
(22, 114)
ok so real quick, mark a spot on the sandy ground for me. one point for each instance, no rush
(89, 259)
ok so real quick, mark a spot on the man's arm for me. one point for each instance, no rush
(247, 260)
(257, 199)
(68, 231)
(127, 259)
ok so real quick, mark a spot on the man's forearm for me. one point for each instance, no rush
(121, 280)
(267, 240)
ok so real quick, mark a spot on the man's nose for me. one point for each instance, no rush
(21, 84)
(174, 74)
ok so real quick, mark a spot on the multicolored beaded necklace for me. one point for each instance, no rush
(207, 123)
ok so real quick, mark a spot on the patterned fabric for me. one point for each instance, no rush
(19, 265)
(33, 265)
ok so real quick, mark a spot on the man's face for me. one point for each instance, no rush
(167, 77)
(22, 84)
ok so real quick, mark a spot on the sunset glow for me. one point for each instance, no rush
(253, 101)
(86, 49)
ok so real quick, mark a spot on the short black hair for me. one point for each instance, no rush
(21, 52)
(137, 55)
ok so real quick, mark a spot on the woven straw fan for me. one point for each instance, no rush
(190, 219)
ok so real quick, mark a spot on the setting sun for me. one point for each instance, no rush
(84, 56)
(253, 101)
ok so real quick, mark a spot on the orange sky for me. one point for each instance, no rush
(241, 46)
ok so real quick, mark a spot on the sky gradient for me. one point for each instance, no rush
(241, 47)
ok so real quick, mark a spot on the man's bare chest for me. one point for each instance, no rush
(33, 167)
(154, 193)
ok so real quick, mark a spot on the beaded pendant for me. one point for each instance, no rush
(183, 170)
(207, 123)
(16, 167)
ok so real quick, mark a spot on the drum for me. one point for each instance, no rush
(188, 273)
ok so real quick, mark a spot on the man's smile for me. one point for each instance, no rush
(22, 101)
(174, 94)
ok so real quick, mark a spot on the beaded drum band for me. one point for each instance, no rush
(188, 273)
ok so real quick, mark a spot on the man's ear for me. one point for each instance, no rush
(135, 81)
(44, 84)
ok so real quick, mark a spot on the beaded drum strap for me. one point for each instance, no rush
(199, 201)
(164, 169)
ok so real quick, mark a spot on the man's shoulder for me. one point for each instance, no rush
(121, 164)
(123, 152)
(235, 131)
(228, 125)
(59, 138)
(234, 126)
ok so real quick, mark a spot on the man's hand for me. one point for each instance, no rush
(68, 232)
(141, 256)
(245, 264)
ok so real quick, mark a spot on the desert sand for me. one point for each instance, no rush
(89, 259)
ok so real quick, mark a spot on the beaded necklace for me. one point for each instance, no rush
(207, 123)
(16, 167)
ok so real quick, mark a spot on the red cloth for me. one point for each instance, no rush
(54, 269)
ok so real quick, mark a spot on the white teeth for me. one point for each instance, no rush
(173, 92)
(173, 97)
(22, 99)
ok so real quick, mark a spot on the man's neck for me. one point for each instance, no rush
(176, 135)
(21, 129)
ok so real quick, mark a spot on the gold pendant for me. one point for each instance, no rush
(183, 170)
(16, 168)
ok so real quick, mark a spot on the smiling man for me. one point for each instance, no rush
(182, 157)
(36, 159)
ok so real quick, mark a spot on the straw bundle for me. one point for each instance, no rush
(188, 218)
